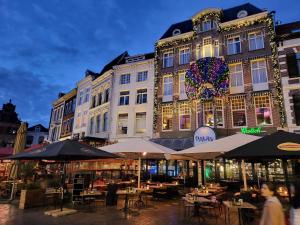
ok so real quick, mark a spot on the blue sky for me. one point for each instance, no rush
(46, 46)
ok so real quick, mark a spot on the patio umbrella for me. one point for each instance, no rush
(64, 151)
(18, 147)
(138, 148)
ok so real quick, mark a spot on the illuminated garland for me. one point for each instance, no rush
(155, 100)
(207, 78)
(209, 15)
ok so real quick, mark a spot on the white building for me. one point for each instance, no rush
(100, 104)
(83, 100)
(36, 135)
(289, 61)
(132, 98)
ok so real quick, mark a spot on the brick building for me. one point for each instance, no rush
(244, 37)
(288, 36)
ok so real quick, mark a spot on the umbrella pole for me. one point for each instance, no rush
(244, 175)
(139, 173)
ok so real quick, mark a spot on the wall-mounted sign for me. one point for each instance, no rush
(253, 130)
(203, 135)
(289, 146)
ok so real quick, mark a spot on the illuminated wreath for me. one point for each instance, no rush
(207, 78)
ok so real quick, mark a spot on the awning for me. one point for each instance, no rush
(280, 144)
(218, 147)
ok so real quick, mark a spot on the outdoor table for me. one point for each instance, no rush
(126, 193)
(229, 205)
(201, 194)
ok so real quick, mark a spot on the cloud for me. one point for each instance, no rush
(32, 96)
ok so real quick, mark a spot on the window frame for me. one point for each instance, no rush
(170, 56)
(143, 75)
(235, 73)
(124, 98)
(233, 43)
(259, 68)
(140, 96)
(271, 113)
(255, 40)
(184, 56)
(142, 130)
(125, 79)
(183, 114)
(171, 115)
(236, 110)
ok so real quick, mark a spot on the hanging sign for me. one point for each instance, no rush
(289, 146)
(253, 130)
(203, 135)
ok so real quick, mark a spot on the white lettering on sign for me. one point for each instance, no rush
(203, 135)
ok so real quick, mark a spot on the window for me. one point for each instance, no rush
(98, 121)
(296, 101)
(184, 56)
(184, 116)
(106, 98)
(182, 91)
(198, 52)
(207, 47)
(78, 120)
(168, 59)
(242, 13)
(293, 64)
(168, 85)
(91, 125)
(73, 105)
(167, 118)
(236, 75)
(124, 98)
(259, 71)
(105, 121)
(262, 110)
(216, 48)
(256, 40)
(37, 129)
(234, 46)
(99, 98)
(209, 113)
(87, 95)
(80, 101)
(207, 25)
(93, 102)
(142, 76)
(141, 96)
(176, 32)
(123, 123)
(238, 110)
(125, 79)
(41, 139)
(140, 123)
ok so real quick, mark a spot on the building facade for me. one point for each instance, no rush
(132, 98)
(68, 115)
(36, 134)
(83, 102)
(9, 124)
(288, 36)
(100, 106)
(56, 118)
(243, 37)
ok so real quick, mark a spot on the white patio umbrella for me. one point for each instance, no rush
(211, 150)
(138, 148)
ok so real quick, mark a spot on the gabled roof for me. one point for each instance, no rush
(288, 31)
(116, 61)
(228, 15)
(42, 128)
(231, 13)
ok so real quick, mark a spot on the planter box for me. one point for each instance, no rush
(31, 198)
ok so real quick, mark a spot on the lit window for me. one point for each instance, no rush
(184, 56)
(184, 117)
(234, 46)
(263, 110)
(140, 122)
(142, 76)
(168, 85)
(236, 75)
(207, 47)
(125, 79)
(259, 71)
(167, 118)
(124, 98)
(198, 52)
(123, 123)
(168, 59)
(141, 96)
(238, 110)
(209, 113)
(256, 40)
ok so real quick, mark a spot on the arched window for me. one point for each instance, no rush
(176, 32)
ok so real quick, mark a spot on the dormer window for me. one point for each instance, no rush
(176, 32)
(242, 14)
(208, 25)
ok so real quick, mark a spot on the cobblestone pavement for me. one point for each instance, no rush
(159, 213)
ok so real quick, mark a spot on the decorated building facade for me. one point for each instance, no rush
(288, 36)
(243, 39)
